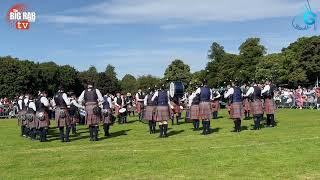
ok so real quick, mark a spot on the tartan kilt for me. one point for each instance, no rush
(107, 119)
(228, 106)
(162, 113)
(139, 107)
(91, 118)
(194, 112)
(149, 113)
(45, 122)
(62, 122)
(116, 110)
(20, 122)
(176, 108)
(215, 106)
(269, 106)
(236, 110)
(205, 112)
(32, 124)
(256, 107)
(74, 119)
(246, 105)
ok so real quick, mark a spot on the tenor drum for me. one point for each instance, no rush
(176, 89)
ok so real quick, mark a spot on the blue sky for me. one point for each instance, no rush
(144, 36)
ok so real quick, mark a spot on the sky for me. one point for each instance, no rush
(144, 36)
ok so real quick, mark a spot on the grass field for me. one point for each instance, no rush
(289, 151)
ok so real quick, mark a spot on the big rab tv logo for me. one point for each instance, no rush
(19, 17)
(306, 20)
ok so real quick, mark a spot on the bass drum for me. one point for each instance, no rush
(176, 89)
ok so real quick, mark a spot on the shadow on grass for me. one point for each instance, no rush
(117, 134)
(172, 133)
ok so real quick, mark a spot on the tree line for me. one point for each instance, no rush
(297, 64)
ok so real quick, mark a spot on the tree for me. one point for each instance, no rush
(147, 81)
(129, 83)
(216, 52)
(178, 71)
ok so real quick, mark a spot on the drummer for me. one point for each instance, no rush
(139, 100)
(176, 111)
(215, 105)
(162, 110)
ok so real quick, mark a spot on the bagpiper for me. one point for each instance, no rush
(215, 104)
(31, 118)
(245, 102)
(150, 111)
(92, 98)
(194, 101)
(162, 110)
(62, 117)
(107, 114)
(42, 116)
(22, 110)
(254, 94)
(235, 99)
(74, 113)
(269, 104)
(119, 104)
(205, 112)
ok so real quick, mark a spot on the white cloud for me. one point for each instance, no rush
(180, 11)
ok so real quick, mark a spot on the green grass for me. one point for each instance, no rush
(289, 151)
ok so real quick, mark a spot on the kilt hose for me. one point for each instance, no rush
(246, 105)
(91, 118)
(269, 106)
(149, 113)
(236, 110)
(44, 123)
(256, 107)
(215, 106)
(62, 122)
(194, 112)
(205, 112)
(162, 113)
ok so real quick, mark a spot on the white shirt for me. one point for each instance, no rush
(74, 102)
(65, 98)
(156, 94)
(44, 101)
(250, 91)
(218, 95)
(191, 98)
(265, 89)
(229, 93)
(145, 101)
(32, 105)
(81, 97)
(20, 103)
(198, 91)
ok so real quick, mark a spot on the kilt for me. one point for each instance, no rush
(32, 124)
(139, 107)
(236, 110)
(74, 119)
(215, 106)
(107, 119)
(91, 118)
(162, 113)
(149, 113)
(116, 110)
(176, 108)
(246, 105)
(269, 106)
(194, 112)
(45, 122)
(205, 112)
(256, 107)
(62, 122)
(20, 122)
